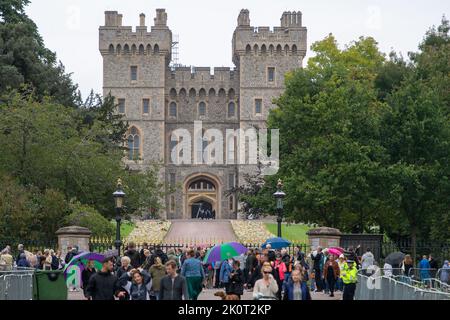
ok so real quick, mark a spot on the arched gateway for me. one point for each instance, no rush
(201, 197)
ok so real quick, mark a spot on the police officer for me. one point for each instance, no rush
(349, 277)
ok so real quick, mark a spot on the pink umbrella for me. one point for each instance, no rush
(334, 251)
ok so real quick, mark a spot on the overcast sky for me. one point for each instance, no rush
(205, 27)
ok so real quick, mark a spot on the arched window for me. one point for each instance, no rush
(286, 49)
(133, 49)
(119, 49)
(156, 49)
(201, 184)
(231, 109)
(173, 109)
(231, 94)
(212, 93)
(202, 93)
(294, 49)
(183, 93)
(141, 49)
(255, 48)
(172, 93)
(134, 144)
(279, 49)
(126, 49)
(248, 49)
(271, 49)
(192, 93)
(111, 49)
(202, 108)
(263, 49)
(149, 49)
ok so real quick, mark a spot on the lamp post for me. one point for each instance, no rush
(119, 196)
(279, 195)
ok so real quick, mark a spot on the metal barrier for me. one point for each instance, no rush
(391, 288)
(16, 284)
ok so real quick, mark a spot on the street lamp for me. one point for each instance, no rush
(279, 195)
(119, 196)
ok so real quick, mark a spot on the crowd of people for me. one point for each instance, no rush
(175, 274)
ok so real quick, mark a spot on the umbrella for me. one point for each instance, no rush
(80, 261)
(276, 243)
(224, 251)
(334, 251)
(394, 258)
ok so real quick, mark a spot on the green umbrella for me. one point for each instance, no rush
(224, 251)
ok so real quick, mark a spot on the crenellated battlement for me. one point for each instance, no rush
(118, 39)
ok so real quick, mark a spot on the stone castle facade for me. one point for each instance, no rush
(157, 98)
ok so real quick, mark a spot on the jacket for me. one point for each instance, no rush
(236, 283)
(175, 289)
(225, 270)
(157, 273)
(288, 288)
(103, 286)
(349, 275)
(136, 292)
(135, 258)
(192, 267)
(336, 269)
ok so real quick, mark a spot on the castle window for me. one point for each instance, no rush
(173, 109)
(172, 204)
(231, 181)
(149, 49)
(202, 93)
(255, 49)
(126, 49)
(111, 49)
(145, 106)
(133, 73)
(172, 147)
(279, 50)
(172, 180)
(156, 49)
(141, 49)
(248, 49)
(231, 109)
(172, 93)
(121, 106)
(231, 94)
(231, 203)
(212, 93)
(294, 49)
(263, 49)
(119, 49)
(133, 49)
(134, 144)
(271, 74)
(286, 49)
(201, 184)
(271, 49)
(202, 109)
(192, 93)
(258, 106)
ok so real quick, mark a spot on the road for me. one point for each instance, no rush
(200, 232)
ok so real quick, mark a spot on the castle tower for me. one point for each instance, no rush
(263, 57)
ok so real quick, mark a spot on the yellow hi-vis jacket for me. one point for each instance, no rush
(349, 275)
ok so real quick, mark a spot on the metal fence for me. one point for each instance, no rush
(382, 287)
(16, 284)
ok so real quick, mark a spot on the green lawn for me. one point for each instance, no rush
(125, 228)
(294, 232)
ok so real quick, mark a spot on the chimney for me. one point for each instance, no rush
(119, 20)
(142, 20)
(161, 17)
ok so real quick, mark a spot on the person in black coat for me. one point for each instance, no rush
(86, 275)
(134, 256)
(236, 285)
(103, 285)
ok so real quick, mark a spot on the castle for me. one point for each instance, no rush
(157, 98)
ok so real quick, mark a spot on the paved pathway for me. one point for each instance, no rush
(200, 232)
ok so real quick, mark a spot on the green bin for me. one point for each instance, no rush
(49, 285)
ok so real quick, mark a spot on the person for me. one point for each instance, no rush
(23, 262)
(103, 285)
(424, 266)
(158, 253)
(349, 277)
(331, 273)
(214, 214)
(434, 266)
(142, 256)
(317, 259)
(280, 270)
(124, 266)
(192, 270)
(367, 260)
(341, 264)
(288, 262)
(266, 287)
(217, 267)
(71, 252)
(133, 254)
(20, 250)
(445, 273)
(6, 260)
(236, 285)
(173, 286)
(295, 288)
(136, 284)
(387, 269)
(157, 272)
(406, 266)
(271, 253)
(225, 271)
(48, 259)
(250, 265)
(86, 275)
